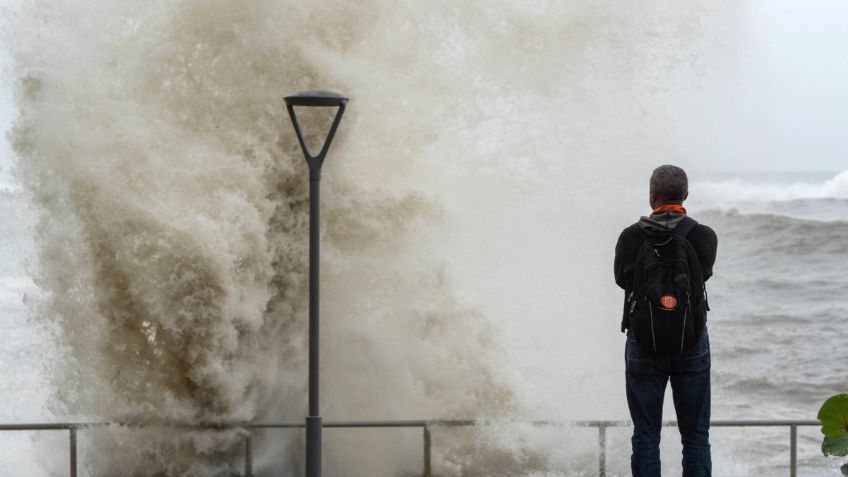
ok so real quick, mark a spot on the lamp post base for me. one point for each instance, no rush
(313, 446)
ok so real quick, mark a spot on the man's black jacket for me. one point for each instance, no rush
(703, 240)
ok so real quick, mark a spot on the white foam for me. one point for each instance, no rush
(739, 190)
(173, 229)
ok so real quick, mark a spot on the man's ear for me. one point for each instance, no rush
(686, 196)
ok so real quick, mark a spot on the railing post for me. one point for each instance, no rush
(73, 437)
(428, 470)
(248, 453)
(793, 450)
(602, 450)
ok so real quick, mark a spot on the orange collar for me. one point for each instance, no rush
(674, 207)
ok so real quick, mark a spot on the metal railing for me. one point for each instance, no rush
(793, 426)
(425, 425)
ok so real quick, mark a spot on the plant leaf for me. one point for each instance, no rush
(834, 416)
(837, 446)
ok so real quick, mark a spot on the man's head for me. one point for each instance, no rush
(669, 185)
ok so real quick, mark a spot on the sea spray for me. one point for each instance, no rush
(153, 139)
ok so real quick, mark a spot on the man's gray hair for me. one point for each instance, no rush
(669, 184)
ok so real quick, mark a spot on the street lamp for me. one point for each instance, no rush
(313, 419)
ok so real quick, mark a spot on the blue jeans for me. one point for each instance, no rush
(646, 378)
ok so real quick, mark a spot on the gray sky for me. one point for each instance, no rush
(775, 100)
(778, 100)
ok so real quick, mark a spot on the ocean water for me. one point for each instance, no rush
(777, 324)
(154, 260)
(779, 312)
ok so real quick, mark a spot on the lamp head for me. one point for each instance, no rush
(315, 98)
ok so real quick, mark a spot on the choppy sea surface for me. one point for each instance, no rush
(779, 324)
(778, 321)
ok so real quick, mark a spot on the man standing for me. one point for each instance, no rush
(662, 262)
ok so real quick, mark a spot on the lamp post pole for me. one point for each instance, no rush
(313, 419)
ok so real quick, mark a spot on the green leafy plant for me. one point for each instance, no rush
(834, 419)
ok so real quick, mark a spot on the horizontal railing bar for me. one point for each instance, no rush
(765, 423)
(64, 426)
(344, 424)
(716, 423)
(61, 426)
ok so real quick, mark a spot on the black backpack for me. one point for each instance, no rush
(667, 307)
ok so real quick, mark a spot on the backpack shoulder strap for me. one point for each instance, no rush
(685, 226)
(682, 230)
(637, 229)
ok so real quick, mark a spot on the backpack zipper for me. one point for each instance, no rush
(685, 312)
(630, 301)
(653, 336)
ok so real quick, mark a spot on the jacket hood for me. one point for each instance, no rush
(662, 223)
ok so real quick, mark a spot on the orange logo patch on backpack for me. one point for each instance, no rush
(668, 302)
